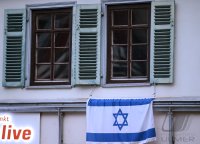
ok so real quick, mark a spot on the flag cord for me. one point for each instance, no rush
(92, 91)
(154, 88)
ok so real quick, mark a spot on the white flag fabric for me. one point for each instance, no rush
(120, 121)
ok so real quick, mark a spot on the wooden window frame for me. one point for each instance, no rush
(33, 81)
(110, 8)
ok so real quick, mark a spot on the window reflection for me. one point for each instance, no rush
(43, 72)
(120, 17)
(119, 69)
(119, 52)
(44, 40)
(62, 20)
(44, 21)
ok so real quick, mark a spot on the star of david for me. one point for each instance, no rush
(124, 116)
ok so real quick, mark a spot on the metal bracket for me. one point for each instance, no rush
(171, 127)
(60, 126)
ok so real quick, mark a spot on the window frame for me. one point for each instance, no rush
(129, 28)
(54, 5)
(105, 4)
(52, 48)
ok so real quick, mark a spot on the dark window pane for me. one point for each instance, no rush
(44, 39)
(43, 72)
(43, 55)
(62, 20)
(139, 36)
(119, 52)
(60, 71)
(62, 39)
(120, 36)
(139, 52)
(44, 21)
(120, 17)
(139, 68)
(139, 16)
(61, 55)
(119, 69)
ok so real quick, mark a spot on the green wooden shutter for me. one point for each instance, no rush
(14, 46)
(88, 45)
(162, 42)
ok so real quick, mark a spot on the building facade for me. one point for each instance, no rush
(57, 54)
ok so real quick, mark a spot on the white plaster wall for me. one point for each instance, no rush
(49, 128)
(74, 128)
(186, 128)
(186, 64)
(186, 80)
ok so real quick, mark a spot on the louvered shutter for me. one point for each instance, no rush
(14, 44)
(88, 45)
(162, 42)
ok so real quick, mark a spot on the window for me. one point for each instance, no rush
(128, 49)
(51, 47)
(59, 49)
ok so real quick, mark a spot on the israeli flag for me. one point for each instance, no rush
(120, 121)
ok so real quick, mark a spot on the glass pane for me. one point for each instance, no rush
(119, 69)
(61, 71)
(44, 39)
(139, 68)
(139, 36)
(139, 52)
(61, 55)
(43, 55)
(43, 72)
(62, 20)
(62, 39)
(119, 52)
(120, 36)
(44, 21)
(139, 16)
(120, 17)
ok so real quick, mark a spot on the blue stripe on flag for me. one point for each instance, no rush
(119, 102)
(120, 137)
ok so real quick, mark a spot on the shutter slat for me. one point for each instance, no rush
(88, 45)
(14, 41)
(86, 13)
(162, 40)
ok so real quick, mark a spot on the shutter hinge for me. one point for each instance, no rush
(5, 31)
(27, 20)
(102, 14)
(27, 16)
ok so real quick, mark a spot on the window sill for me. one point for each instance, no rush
(50, 87)
(126, 85)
